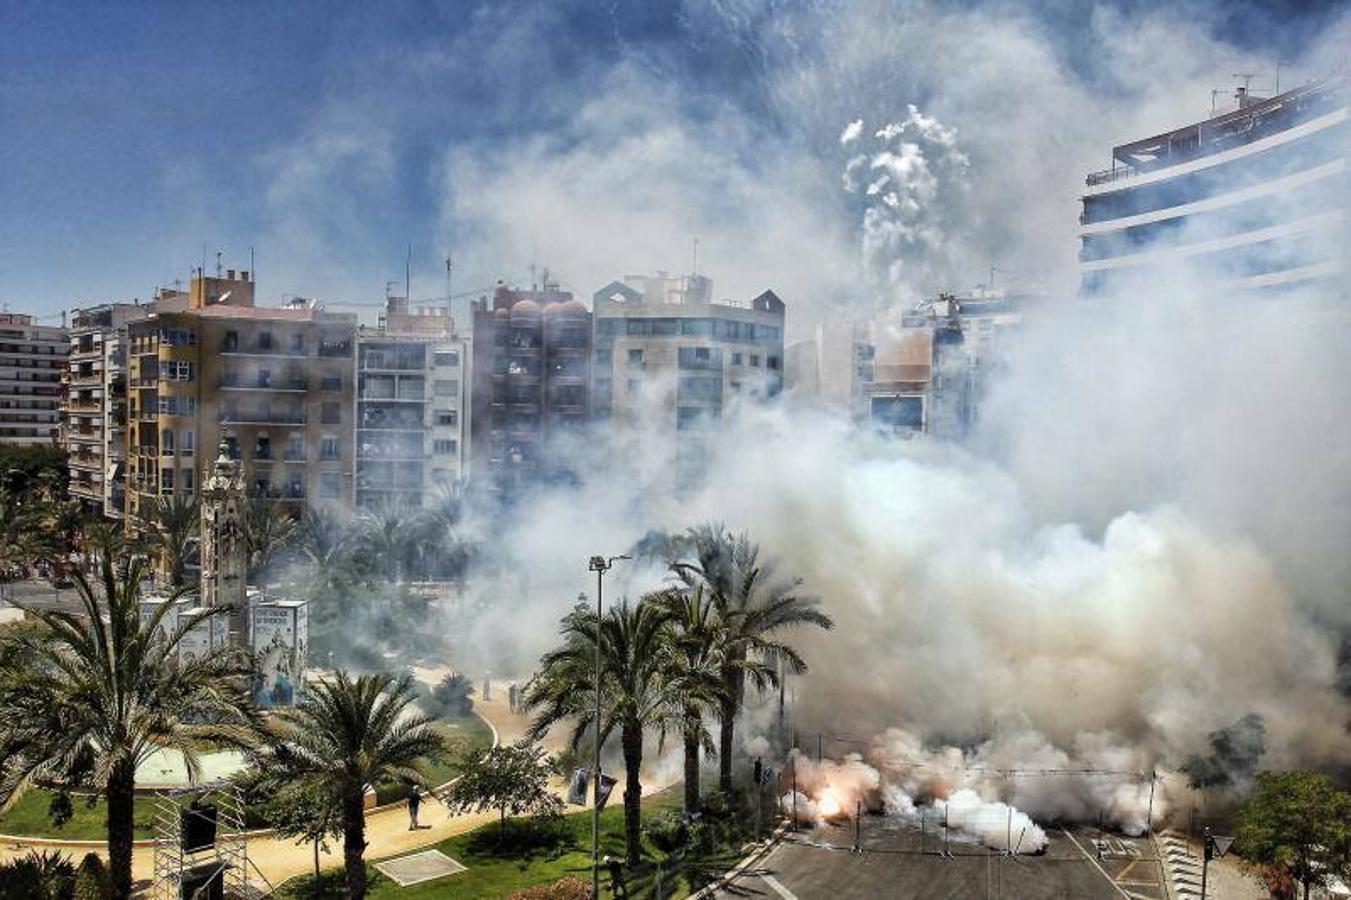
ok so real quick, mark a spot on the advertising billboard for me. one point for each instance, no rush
(280, 631)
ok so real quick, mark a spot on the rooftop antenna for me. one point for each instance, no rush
(1279, 64)
(694, 261)
(389, 286)
(253, 269)
(408, 275)
(533, 285)
(1214, 93)
(218, 266)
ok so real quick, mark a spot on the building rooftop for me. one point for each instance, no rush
(1252, 120)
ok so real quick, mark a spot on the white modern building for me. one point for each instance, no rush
(1252, 198)
(32, 366)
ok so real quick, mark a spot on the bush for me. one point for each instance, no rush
(546, 834)
(450, 698)
(570, 888)
(91, 879)
(39, 875)
(666, 830)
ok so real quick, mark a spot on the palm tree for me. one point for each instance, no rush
(386, 539)
(752, 611)
(350, 734)
(174, 529)
(698, 650)
(20, 521)
(87, 696)
(324, 536)
(269, 530)
(636, 693)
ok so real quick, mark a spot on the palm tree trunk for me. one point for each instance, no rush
(691, 765)
(631, 737)
(354, 845)
(727, 725)
(121, 821)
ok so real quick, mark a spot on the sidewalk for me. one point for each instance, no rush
(387, 831)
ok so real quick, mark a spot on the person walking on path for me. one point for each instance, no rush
(414, 801)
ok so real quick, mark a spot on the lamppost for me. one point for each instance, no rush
(600, 565)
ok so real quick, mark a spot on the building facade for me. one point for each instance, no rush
(411, 407)
(32, 367)
(668, 356)
(531, 390)
(94, 420)
(274, 384)
(1252, 198)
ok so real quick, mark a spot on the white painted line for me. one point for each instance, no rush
(1095, 865)
(778, 888)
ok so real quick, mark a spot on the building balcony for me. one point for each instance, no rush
(85, 435)
(91, 380)
(267, 352)
(244, 417)
(275, 384)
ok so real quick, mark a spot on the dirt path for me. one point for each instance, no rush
(387, 831)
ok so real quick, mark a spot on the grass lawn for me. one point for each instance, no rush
(462, 735)
(490, 876)
(29, 816)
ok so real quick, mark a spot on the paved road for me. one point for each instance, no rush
(901, 862)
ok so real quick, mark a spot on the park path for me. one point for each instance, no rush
(387, 832)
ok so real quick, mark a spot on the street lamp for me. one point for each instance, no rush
(600, 565)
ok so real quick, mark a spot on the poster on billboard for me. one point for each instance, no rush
(209, 634)
(280, 631)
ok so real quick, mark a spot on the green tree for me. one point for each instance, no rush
(307, 812)
(91, 879)
(754, 610)
(37, 875)
(269, 531)
(350, 734)
(89, 695)
(22, 537)
(512, 779)
(174, 527)
(636, 694)
(699, 652)
(1297, 823)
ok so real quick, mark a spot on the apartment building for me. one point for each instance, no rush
(32, 365)
(929, 372)
(1250, 198)
(95, 407)
(531, 389)
(274, 383)
(412, 407)
(668, 355)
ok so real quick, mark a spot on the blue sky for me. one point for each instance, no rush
(329, 135)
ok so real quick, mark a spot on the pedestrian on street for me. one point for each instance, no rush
(616, 876)
(414, 801)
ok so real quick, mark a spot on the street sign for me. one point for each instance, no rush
(1222, 844)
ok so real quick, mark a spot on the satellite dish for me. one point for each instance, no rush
(223, 297)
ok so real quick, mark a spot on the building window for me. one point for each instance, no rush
(736, 358)
(166, 443)
(264, 340)
(604, 357)
(447, 417)
(635, 358)
(443, 447)
(634, 385)
(331, 383)
(298, 343)
(176, 370)
(328, 447)
(330, 487)
(186, 443)
(330, 413)
(166, 480)
(264, 378)
(446, 358)
(772, 362)
(188, 481)
(231, 342)
(446, 387)
(755, 359)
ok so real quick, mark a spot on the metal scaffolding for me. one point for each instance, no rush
(200, 849)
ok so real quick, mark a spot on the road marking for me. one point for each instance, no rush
(778, 888)
(1093, 862)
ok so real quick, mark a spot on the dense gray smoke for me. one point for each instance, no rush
(1143, 544)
